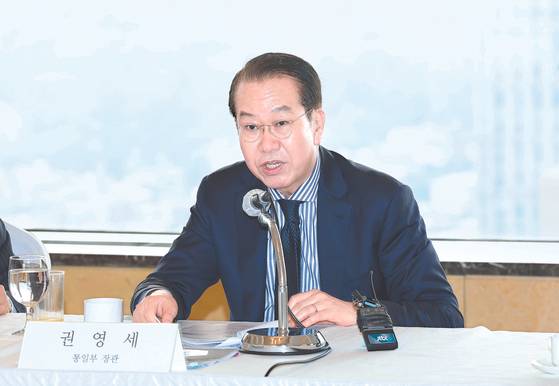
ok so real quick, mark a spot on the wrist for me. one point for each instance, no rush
(160, 292)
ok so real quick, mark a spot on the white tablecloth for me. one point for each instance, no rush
(473, 356)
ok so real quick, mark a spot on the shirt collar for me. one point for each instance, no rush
(306, 192)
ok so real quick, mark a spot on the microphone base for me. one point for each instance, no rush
(298, 341)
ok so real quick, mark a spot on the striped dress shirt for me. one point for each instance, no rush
(308, 263)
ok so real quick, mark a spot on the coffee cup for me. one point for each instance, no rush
(102, 310)
(555, 349)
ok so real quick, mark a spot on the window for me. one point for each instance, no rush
(110, 116)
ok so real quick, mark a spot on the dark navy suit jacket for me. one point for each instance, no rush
(366, 221)
(5, 253)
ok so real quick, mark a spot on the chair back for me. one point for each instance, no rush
(26, 243)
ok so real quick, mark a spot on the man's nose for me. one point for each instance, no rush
(268, 141)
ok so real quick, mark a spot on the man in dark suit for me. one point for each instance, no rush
(357, 226)
(6, 303)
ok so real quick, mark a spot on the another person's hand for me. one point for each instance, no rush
(160, 306)
(4, 301)
(315, 306)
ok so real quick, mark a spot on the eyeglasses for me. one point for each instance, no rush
(281, 129)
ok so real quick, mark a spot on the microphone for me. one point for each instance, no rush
(281, 340)
(256, 201)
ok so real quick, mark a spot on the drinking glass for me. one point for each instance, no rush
(51, 307)
(28, 280)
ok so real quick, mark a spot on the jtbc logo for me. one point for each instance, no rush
(382, 338)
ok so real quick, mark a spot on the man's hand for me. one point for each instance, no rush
(4, 301)
(315, 306)
(159, 306)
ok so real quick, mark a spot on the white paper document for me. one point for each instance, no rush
(217, 334)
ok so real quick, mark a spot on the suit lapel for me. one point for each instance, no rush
(251, 252)
(334, 226)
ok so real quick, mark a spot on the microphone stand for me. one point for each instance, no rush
(281, 340)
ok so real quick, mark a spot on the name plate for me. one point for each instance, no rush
(151, 347)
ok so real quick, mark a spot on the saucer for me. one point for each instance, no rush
(545, 366)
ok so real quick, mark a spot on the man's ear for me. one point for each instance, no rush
(318, 118)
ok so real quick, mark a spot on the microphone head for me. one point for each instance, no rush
(252, 202)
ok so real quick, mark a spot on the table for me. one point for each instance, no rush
(433, 356)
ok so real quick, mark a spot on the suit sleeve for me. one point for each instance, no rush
(5, 253)
(190, 265)
(418, 293)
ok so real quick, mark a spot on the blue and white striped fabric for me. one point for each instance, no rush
(308, 265)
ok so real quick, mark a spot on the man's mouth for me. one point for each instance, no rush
(272, 165)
